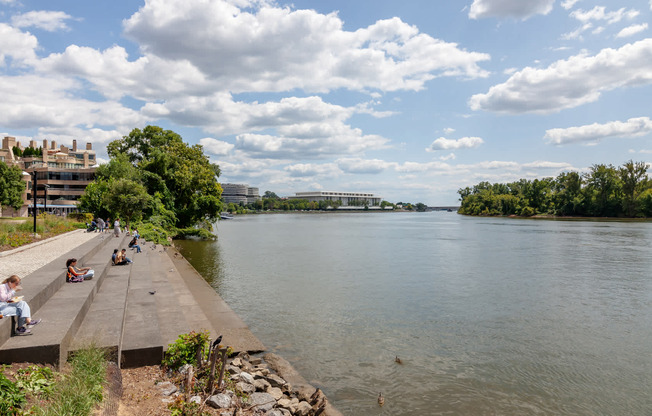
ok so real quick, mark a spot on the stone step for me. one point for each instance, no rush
(141, 343)
(178, 310)
(41, 285)
(63, 312)
(102, 326)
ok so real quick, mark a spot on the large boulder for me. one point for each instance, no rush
(262, 401)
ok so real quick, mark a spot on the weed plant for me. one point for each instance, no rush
(80, 391)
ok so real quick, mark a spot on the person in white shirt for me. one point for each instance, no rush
(10, 305)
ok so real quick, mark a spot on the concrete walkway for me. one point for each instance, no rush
(133, 311)
(24, 260)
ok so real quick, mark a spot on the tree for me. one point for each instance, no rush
(603, 188)
(93, 199)
(139, 144)
(421, 207)
(568, 193)
(126, 199)
(181, 175)
(634, 178)
(270, 195)
(12, 186)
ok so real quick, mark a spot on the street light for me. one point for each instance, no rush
(45, 200)
(34, 183)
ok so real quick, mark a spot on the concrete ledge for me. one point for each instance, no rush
(226, 322)
(63, 311)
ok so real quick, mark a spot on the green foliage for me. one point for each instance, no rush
(184, 349)
(12, 186)
(35, 380)
(180, 407)
(83, 217)
(16, 234)
(604, 191)
(126, 199)
(79, 392)
(12, 398)
(92, 201)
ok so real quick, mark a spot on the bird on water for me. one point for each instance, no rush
(398, 360)
(381, 399)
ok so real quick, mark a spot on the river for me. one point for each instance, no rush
(489, 316)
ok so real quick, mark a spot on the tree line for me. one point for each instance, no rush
(603, 191)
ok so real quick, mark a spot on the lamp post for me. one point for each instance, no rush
(45, 200)
(34, 184)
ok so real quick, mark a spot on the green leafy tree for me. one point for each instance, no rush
(12, 186)
(270, 195)
(139, 144)
(126, 199)
(93, 199)
(603, 189)
(181, 175)
(633, 176)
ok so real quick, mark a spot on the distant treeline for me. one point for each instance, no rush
(604, 191)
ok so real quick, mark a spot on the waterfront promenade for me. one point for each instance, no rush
(133, 311)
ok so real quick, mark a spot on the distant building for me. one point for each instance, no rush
(239, 194)
(345, 198)
(61, 173)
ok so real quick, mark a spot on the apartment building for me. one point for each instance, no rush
(61, 174)
(239, 193)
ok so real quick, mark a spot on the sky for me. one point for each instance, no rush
(409, 100)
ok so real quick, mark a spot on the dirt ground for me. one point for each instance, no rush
(140, 396)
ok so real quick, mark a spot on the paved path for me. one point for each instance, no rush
(24, 260)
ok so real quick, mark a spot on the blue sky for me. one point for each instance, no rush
(409, 100)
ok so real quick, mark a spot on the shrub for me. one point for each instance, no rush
(12, 398)
(184, 349)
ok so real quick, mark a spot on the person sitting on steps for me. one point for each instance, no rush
(134, 244)
(75, 275)
(122, 259)
(10, 305)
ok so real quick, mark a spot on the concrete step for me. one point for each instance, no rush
(178, 310)
(62, 313)
(102, 326)
(41, 285)
(141, 343)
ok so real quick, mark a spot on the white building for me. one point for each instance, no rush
(238, 193)
(345, 198)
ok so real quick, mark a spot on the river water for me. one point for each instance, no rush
(489, 316)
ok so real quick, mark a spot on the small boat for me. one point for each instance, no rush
(226, 216)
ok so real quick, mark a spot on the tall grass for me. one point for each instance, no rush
(17, 232)
(81, 390)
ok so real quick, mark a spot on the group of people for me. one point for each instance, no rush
(119, 257)
(12, 305)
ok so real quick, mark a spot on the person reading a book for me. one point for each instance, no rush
(77, 275)
(12, 305)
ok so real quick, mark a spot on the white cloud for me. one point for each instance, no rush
(450, 156)
(631, 30)
(443, 143)
(595, 132)
(216, 147)
(449, 130)
(278, 49)
(312, 170)
(49, 103)
(568, 4)
(518, 9)
(17, 45)
(50, 21)
(352, 165)
(569, 83)
(599, 13)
